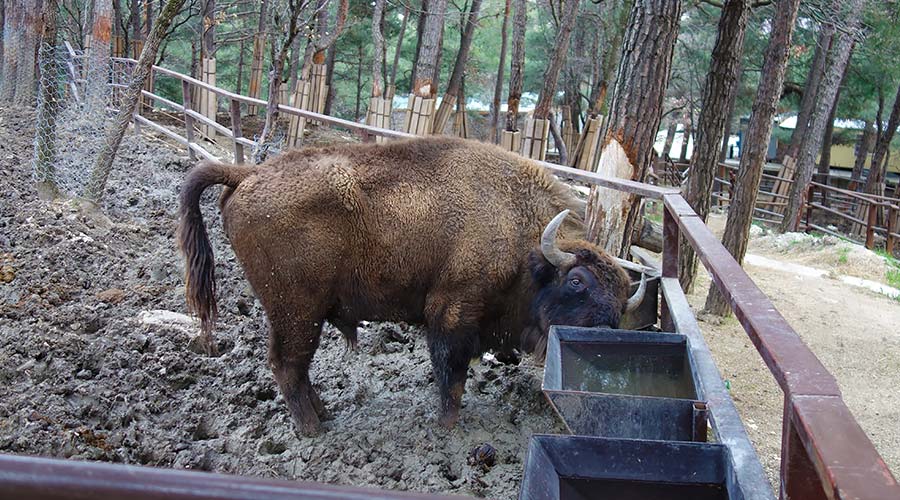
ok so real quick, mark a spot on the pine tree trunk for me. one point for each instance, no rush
(12, 41)
(517, 63)
(862, 154)
(420, 31)
(825, 156)
(557, 59)
(670, 136)
(718, 100)
(810, 88)
(456, 76)
(875, 180)
(686, 136)
(103, 165)
(45, 138)
(423, 85)
(97, 85)
(378, 43)
(393, 80)
(137, 38)
(634, 116)
(842, 46)
(756, 142)
(254, 87)
(498, 83)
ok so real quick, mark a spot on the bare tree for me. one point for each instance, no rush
(12, 32)
(634, 114)
(842, 46)
(378, 43)
(718, 97)
(103, 166)
(517, 63)
(498, 83)
(753, 154)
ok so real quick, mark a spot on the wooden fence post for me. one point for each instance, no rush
(236, 131)
(810, 192)
(188, 120)
(891, 229)
(870, 224)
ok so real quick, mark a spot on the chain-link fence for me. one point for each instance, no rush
(77, 97)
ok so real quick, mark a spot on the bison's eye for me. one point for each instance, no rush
(575, 282)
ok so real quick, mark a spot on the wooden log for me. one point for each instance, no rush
(591, 139)
(649, 235)
(537, 133)
(511, 141)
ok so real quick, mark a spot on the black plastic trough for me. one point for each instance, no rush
(588, 468)
(624, 384)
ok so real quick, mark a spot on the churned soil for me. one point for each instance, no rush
(97, 360)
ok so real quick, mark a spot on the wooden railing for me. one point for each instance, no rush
(859, 212)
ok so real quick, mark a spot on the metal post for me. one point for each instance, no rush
(236, 131)
(670, 263)
(188, 120)
(701, 413)
(870, 225)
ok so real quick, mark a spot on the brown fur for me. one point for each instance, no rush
(435, 231)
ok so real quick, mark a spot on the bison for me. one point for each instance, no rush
(457, 235)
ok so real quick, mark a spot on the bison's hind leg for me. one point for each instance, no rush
(452, 343)
(292, 344)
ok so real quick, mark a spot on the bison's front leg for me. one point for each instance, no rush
(291, 350)
(452, 339)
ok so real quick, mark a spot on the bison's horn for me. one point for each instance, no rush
(635, 300)
(548, 243)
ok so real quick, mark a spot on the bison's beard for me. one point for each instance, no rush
(534, 341)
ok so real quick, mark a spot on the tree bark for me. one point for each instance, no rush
(45, 138)
(634, 116)
(824, 169)
(423, 85)
(557, 59)
(875, 179)
(393, 80)
(254, 87)
(756, 143)
(717, 102)
(420, 30)
(456, 76)
(103, 166)
(670, 136)
(862, 154)
(686, 136)
(12, 40)
(378, 43)
(498, 83)
(517, 63)
(826, 94)
(807, 103)
(96, 88)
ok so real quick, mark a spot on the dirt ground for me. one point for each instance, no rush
(853, 331)
(90, 369)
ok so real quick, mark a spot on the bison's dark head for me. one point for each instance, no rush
(576, 284)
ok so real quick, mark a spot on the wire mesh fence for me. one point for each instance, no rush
(77, 96)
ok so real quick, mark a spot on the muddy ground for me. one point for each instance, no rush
(90, 369)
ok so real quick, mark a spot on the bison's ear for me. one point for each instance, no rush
(542, 271)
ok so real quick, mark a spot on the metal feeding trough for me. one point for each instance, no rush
(645, 316)
(624, 384)
(587, 468)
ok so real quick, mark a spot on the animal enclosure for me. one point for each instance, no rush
(815, 465)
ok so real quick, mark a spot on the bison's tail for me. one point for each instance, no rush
(200, 283)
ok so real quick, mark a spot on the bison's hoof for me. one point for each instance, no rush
(448, 418)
